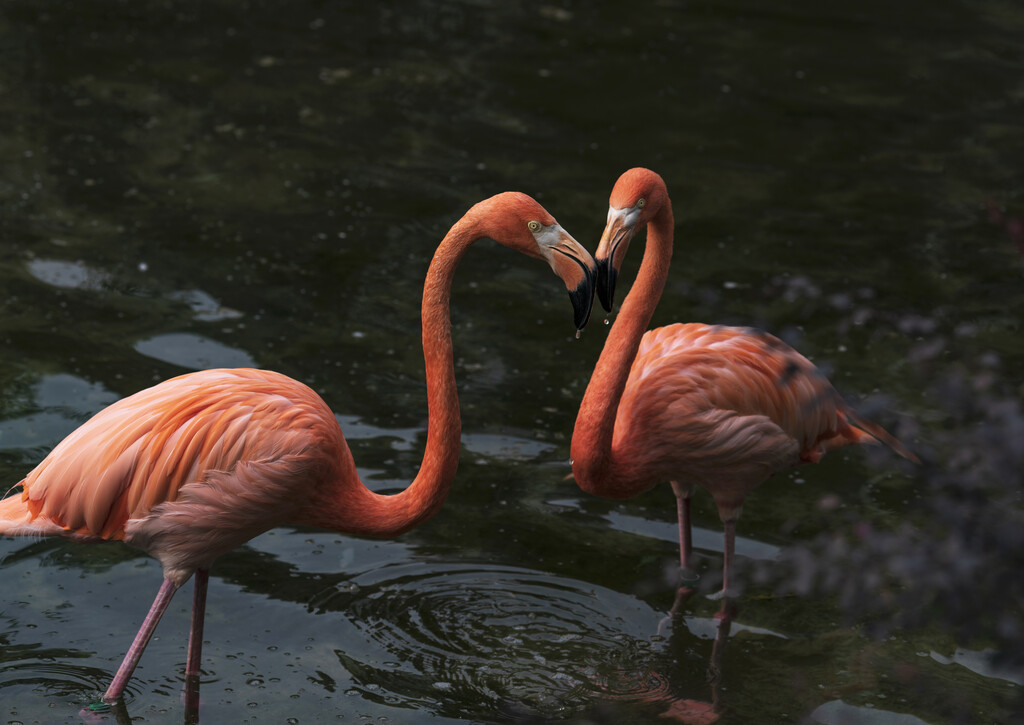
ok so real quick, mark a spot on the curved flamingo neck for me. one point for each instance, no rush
(428, 490)
(591, 449)
(356, 509)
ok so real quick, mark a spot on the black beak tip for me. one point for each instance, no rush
(606, 276)
(583, 301)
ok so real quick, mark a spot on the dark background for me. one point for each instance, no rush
(189, 185)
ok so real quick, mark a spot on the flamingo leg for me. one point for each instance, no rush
(195, 646)
(688, 576)
(683, 493)
(729, 551)
(195, 638)
(685, 533)
(131, 659)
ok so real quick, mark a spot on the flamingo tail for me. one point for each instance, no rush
(16, 519)
(864, 431)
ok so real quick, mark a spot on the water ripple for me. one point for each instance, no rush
(50, 672)
(503, 639)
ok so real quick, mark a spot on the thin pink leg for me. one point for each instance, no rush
(195, 646)
(124, 672)
(195, 638)
(683, 492)
(684, 591)
(730, 548)
(685, 533)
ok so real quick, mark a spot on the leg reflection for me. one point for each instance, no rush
(191, 696)
(700, 712)
(725, 616)
(101, 711)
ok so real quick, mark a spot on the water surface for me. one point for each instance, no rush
(263, 183)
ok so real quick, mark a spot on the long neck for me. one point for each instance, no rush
(591, 448)
(361, 511)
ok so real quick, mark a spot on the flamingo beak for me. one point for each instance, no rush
(579, 272)
(582, 299)
(606, 278)
(611, 250)
(573, 263)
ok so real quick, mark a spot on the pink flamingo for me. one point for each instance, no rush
(195, 466)
(723, 408)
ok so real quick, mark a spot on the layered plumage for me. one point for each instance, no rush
(188, 469)
(197, 465)
(719, 407)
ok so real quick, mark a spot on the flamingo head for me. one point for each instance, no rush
(517, 221)
(637, 197)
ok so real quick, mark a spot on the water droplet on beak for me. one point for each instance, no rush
(579, 333)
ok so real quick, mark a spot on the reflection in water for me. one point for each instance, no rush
(838, 712)
(204, 306)
(506, 447)
(101, 712)
(191, 697)
(522, 643)
(69, 275)
(59, 404)
(507, 639)
(193, 351)
(519, 644)
(984, 662)
(292, 163)
(703, 539)
(698, 711)
(686, 710)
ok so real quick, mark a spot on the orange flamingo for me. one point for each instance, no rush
(195, 466)
(723, 408)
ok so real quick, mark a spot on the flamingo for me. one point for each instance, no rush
(199, 464)
(723, 408)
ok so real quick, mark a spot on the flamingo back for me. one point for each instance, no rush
(142, 452)
(710, 402)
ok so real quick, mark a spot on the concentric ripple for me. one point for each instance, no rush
(478, 641)
(47, 671)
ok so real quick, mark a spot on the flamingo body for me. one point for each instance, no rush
(189, 469)
(198, 465)
(723, 408)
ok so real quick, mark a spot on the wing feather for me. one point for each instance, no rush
(139, 453)
(721, 396)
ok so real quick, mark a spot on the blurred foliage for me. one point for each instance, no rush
(952, 561)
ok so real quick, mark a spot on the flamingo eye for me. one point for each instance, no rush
(534, 226)
(640, 203)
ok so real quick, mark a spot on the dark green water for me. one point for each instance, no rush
(190, 185)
